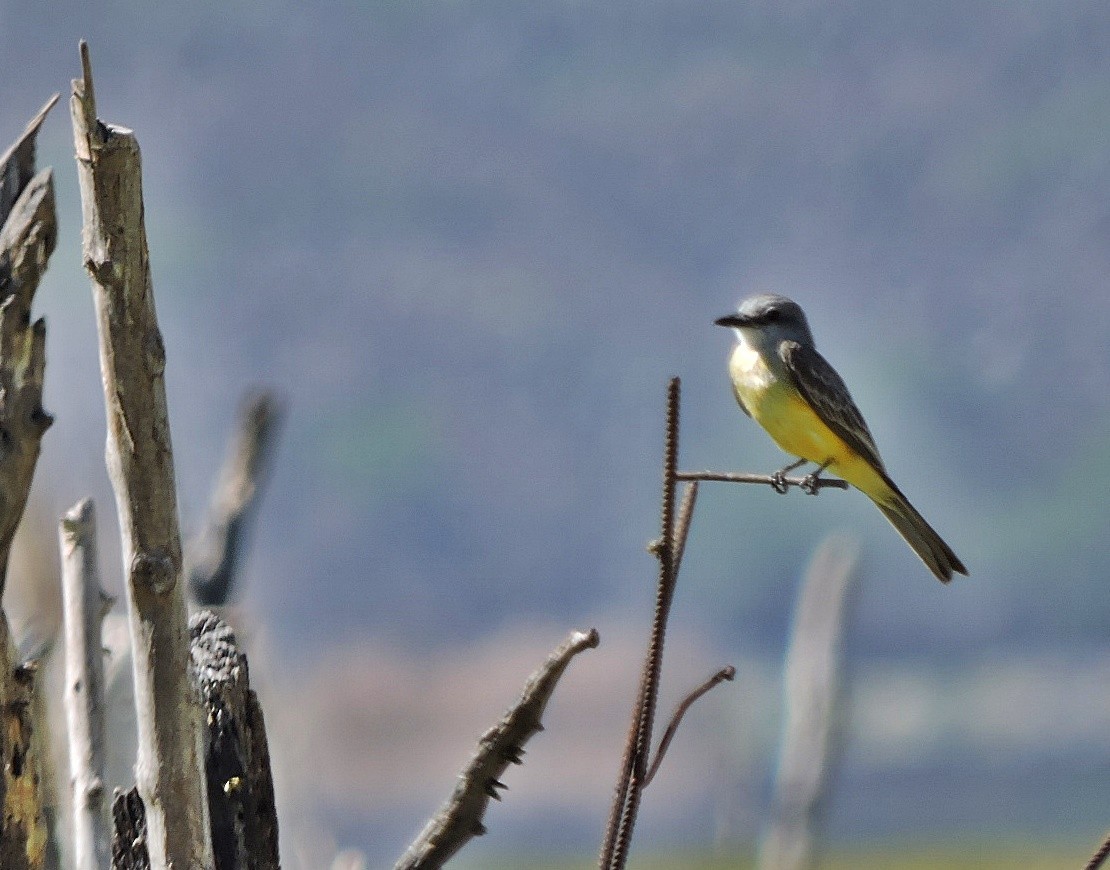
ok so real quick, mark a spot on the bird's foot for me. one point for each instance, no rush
(811, 483)
(778, 479)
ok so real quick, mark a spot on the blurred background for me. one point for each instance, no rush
(469, 242)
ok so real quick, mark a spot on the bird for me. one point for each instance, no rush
(785, 385)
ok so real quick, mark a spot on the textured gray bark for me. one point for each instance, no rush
(139, 456)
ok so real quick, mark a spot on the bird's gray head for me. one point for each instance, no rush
(769, 319)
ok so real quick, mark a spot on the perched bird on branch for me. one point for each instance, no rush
(785, 385)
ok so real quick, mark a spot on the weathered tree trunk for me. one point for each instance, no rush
(28, 231)
(140, 464)
(237, 757)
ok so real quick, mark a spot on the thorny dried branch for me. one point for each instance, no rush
(460, 818)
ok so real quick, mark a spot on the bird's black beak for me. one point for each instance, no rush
(733, 320)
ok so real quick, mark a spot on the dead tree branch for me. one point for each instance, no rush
(768, 479)
(84, 606)
(214, 556)
(140, 464)
(28, 231)
(460, 818)
(237, 756)
(726, 673)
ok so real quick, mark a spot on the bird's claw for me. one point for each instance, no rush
(778, 482)
(810, 484)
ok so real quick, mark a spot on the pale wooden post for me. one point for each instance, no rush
(169, 771)
(813, 691)
(84, 606)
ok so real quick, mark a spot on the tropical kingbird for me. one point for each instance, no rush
(785, 385)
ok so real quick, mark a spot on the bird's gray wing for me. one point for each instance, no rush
(826, 393)
(740, 399)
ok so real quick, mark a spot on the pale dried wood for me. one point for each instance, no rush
(84, 606)
(139, 456)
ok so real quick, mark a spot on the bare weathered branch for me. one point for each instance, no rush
(139, 456)
(84, 607)
(813, 694)
(17, 166)
(682, 524)
(725, 673)
(460, 818)
(214, 556)
(767, 479)
(28, 231)
(237, 757)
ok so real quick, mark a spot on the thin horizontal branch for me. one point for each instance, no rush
(766, 479)
(725, 673)
(460, 818)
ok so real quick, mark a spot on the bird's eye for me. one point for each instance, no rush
(772, 315)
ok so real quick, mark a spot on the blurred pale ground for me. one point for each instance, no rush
(469, 242)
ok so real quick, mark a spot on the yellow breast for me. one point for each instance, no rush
(775, 403)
